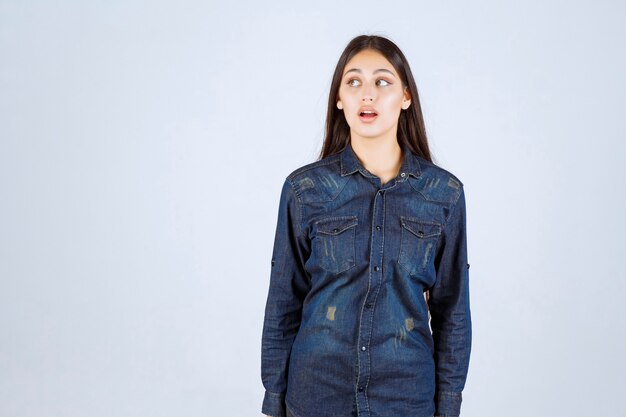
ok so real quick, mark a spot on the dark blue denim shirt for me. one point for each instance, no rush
(348, 329)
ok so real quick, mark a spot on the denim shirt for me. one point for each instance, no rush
(348, 327)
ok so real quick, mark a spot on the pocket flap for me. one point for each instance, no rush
(336, 225)
(420, 228)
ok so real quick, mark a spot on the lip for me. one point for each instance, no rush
(367, 119)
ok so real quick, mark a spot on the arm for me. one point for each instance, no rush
(289, 285)
(450, 312)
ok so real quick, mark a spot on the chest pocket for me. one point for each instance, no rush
(418, 241)
(335, 243)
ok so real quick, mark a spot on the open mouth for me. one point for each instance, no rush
(367, 115)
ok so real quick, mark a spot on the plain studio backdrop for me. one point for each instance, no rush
(143, 146)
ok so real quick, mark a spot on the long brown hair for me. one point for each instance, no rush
(411, 129)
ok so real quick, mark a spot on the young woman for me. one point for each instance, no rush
(368, 307)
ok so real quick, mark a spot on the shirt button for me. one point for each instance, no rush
(368, 306)
(363, 348)
(403, 175)
(376, 268)
(360, 389)
(377, 227)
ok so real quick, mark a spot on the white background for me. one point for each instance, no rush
(143, 146)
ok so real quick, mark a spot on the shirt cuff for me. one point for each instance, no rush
(274, 404)
(448, 404)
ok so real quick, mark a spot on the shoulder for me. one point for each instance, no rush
(436, 183)
(327, 164)
(317, 180)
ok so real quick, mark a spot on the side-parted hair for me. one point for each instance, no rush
(411, 129)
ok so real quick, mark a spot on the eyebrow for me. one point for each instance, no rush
(361, 72)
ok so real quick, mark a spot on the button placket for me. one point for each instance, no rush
(367, 313)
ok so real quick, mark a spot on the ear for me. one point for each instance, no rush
(406, 102)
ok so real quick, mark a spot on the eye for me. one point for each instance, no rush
(381, 81)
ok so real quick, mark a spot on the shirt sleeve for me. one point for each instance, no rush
(450, 312)
(289, 284)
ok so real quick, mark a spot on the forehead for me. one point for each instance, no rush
(369, 61)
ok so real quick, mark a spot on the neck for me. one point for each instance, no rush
(381, 158)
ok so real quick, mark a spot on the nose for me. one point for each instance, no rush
(367, 94)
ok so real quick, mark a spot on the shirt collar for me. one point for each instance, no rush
(350, 163)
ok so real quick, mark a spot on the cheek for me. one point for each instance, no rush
(391, 100)
(349, 99)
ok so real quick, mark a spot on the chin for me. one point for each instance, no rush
(369, 134)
